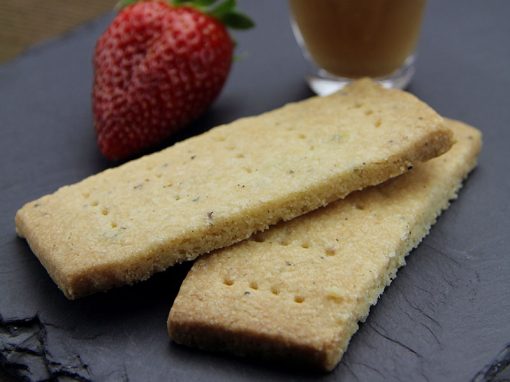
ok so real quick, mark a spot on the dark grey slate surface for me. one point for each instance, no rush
(445, 318)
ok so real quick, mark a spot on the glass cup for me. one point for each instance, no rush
(349, 39)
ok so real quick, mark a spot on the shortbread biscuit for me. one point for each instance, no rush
(298, 291)
(210, 191)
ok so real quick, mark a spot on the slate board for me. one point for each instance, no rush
(445, 318)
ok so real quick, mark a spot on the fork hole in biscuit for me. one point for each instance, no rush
(359, 206)
(86, 195)
(305, 245)
(228, 281)
(240, 155)
(220, 138)
(105, 211)
(357, 105)
(284, 243)
(369, 112)
(302, 136)
(95, 203)
(231, 147)
(159, 175)
(258, 239)
(299, 299)
(114, 225)
(168, 185)
(254, 285)
(330, 252)
(275, 291)
(177, 197)
(248, 170)
(311, 148)
(378, 122)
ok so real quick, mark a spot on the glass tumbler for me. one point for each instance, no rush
(348, 39)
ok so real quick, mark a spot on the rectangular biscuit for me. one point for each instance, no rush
(298, 290)
(210, 191)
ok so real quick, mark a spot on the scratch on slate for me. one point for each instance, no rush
(118, 375)
(24, 353)
(404, 346)
(351, 371)
(443, 253)
(370, 368)
(412, 319)
(72, 335)
(432, 319)
(429, 293)
(125, 377)
(431, 333)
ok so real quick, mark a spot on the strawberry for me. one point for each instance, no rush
(157, 67)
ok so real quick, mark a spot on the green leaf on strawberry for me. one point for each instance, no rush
(237, 20)
(204, 3)
(223, 8)
(124, 3)
(225, 11)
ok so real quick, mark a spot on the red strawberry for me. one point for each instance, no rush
(157, 67)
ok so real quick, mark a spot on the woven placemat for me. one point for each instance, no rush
(27, 22)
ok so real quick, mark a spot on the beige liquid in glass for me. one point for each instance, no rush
(356, 38)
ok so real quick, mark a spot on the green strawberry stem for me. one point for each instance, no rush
(225, 11)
